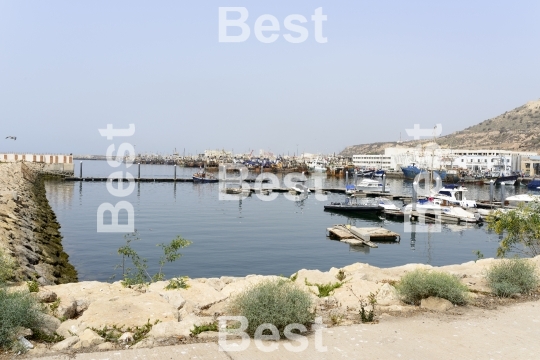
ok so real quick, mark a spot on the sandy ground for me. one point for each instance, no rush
(509, 332)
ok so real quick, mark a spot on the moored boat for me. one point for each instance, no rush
(204, 177)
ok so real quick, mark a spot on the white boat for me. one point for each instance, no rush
(521, 199)
(366, 185)
(386, 204)
(317, 165)
(299, 189)
(452, 195)
(432, 210)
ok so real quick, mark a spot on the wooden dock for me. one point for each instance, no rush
(361, 236)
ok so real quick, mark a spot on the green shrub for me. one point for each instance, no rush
(205, 327)
(177, 283)
(7, 265)
(325, 289)
(33, 286)
(278, 302)
(513, 276)
(421, 284)
(18, 309)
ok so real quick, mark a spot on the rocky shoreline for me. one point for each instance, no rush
(29, 231)
(87, 308)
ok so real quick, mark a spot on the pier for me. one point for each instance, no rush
(353, 235)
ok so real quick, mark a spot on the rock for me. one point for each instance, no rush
(71, 327)
(65, 344)
(387, 296)
(316, 277)
(106, 346)
(50, 324)
(169, 329)
(25, 343)
(82, 305)
(126, 337)
(351, 293)
(144, 343)
(46, 296)
(129, 310)
(87, 339)
(208, 335)
(202, 295)
(215, 283)
(241, 285)
(67, 309)
(174, 298)
(436, 304)
(228, 279)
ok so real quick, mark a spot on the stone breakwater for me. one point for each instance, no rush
(97, 305)
(29, 232)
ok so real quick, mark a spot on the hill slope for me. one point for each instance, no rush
(518, 129)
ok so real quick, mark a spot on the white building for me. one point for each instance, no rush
(431, 156)
(373, 162)
(53, 162)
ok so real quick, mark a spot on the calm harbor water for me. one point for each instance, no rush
(242, 237)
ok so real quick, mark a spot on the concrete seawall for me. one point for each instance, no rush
(29, 232)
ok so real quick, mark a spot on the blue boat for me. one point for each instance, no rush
(412, 170)
(534, 184)
(204, 177)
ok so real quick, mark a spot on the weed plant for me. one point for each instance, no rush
(421, 284)
(7, 265)
(278, 302)
(512, 276)
(325, 289)
(205, 327)
(18, 310)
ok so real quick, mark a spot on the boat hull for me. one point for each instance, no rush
(197, 179)
(410, 172)
(353, 208)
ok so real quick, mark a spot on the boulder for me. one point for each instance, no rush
(215, 283)
(201, 294)
(316, 277)
(50, 324)
(169, 329)
(241, 285)
(71, 327)
(387, 296)
(46, 296)
(436, 304)
(87, 339)
(106, 346)
(174, 298)
(82, 305)
(351, 293)
(131, 310)
(65, 344)
(67, 309)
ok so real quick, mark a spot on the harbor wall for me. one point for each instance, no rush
(29, 231)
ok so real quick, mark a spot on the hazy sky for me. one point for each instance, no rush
(68, 68)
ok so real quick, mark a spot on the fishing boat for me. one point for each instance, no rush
(317, 166)
(204, 177)
(412, 170)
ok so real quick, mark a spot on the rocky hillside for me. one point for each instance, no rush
(518, 129)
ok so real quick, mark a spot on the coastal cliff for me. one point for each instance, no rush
(29, 231)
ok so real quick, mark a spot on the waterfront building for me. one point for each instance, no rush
(431, 156)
